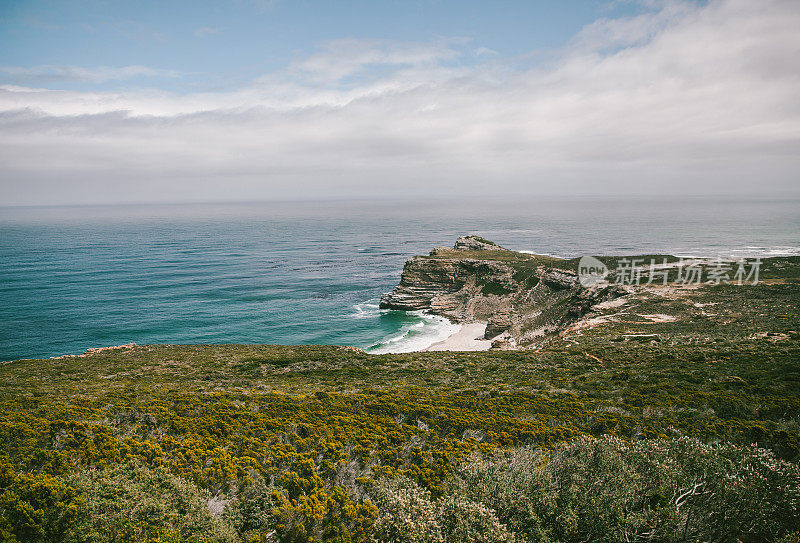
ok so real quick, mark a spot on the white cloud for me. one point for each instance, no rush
(51, 73)
(608, 34)
(339, 59)
(206, 31)
(686, 98)
(485, 51)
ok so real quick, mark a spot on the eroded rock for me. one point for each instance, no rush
(519, 295)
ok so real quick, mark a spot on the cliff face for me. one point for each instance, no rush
(521, 296)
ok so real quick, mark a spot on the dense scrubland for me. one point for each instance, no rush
(627, 429)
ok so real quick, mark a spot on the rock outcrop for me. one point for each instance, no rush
(475, 243)
(522, 297)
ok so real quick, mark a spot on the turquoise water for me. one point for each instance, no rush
(293, 273)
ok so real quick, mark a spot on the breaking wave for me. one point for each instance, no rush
(417, 335)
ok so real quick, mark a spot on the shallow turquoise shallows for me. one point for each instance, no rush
(79, 277)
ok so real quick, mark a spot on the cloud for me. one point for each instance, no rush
(206, 31)
(684, 98)
(485, 51)
(613, 34)
(339, 59)
(56, 74)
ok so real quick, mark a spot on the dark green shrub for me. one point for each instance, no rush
(132, 503)
(305, 511)
(35, 507)
(657, 490)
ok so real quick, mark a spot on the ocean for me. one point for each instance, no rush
(312, 272)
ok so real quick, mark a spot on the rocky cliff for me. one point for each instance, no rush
(522, 297)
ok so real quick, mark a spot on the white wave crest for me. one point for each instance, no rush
(367, 310)
(417, 336)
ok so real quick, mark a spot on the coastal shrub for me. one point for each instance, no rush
(35, 507)
(608, 489)
(527, 277)
(305, 420)
(267, 512)
(407, 513)
(494, 287)
(250, 513)
(321, 516)
(512, 485)
(465, 521)
(132, 503)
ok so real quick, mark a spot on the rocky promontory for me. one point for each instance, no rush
(520, 296)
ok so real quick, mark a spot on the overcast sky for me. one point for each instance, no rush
(123, 102)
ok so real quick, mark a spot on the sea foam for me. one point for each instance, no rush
(416, 336)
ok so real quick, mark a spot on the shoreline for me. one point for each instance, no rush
(469, 337)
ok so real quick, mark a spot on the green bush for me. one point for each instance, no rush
(300, 511)
(464, 521)
(35, 507)
(251, 512)
(407, 513)
(513, 486)
(132, 503)
(657, 490)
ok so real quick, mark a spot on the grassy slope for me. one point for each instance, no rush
(213, 413)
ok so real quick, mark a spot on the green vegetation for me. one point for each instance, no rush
(527, 277)
(500, 255)
(679, 430)
(611, 490)
(131, 502)
(494, 287)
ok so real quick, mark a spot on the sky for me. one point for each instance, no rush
(107, 102)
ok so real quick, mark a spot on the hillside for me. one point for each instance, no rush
(669, 410)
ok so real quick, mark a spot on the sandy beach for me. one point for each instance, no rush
(468, 338)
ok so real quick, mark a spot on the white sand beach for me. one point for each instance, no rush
(468, 338)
